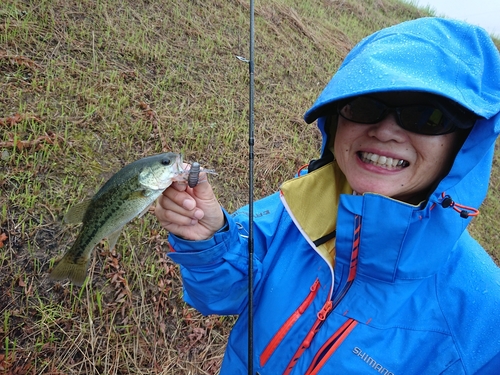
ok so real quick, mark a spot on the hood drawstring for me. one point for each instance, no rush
(465, 211)
(303, 170)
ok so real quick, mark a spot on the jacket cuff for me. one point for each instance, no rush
(201, 253)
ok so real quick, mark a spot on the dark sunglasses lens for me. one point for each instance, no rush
(424, 120)
(363, 110)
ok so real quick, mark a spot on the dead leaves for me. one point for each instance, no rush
(37, 144)
(23, 364)
(17, 118)
(196, 335)
(3, 238)
(19, 60)
(14, 140)
(116, 276)
(7, 366)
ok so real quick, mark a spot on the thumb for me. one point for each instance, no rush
(203, 190)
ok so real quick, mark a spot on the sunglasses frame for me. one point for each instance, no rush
(454, 114)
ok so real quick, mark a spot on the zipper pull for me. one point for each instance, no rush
(314, 288)
(308, 339)
(323, 313)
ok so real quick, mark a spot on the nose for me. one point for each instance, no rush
(388, 129)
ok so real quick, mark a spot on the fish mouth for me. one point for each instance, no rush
(179, 164)
(178, 171)
(386, 162)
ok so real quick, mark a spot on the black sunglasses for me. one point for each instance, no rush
(442, 117)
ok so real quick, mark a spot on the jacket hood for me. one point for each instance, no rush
(449, 58)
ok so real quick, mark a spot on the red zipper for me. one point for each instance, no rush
(322, 315)
(330, 346)
(280, 335)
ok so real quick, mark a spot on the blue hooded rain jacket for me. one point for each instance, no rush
(365, 284)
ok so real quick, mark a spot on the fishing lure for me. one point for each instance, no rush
(194, 175)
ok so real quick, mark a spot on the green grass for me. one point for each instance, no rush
(88, 86)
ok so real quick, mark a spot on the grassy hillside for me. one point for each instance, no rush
(90, 85)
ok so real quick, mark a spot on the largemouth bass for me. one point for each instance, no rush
(126, 195)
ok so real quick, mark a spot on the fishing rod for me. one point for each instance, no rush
(251, 141)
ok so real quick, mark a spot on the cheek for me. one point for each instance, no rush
(345, 143)
(343, 137)
(341, 149)
(438, 152)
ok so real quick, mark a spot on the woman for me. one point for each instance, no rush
(364, 264)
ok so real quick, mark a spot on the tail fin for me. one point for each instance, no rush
(67, 268)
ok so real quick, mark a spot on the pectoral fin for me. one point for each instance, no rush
(76, 213)
(138, 194)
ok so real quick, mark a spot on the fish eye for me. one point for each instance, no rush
(166, 161)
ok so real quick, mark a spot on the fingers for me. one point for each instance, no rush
(177, 207)
(168, 218)
(179, 186)
(192, 213)
(201, 192)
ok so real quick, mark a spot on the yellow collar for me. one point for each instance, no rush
(312, 201)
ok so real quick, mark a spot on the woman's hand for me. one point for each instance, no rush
(190, 213)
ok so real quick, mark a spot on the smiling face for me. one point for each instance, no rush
(384, 158)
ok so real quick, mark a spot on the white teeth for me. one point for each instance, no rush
(383, 161)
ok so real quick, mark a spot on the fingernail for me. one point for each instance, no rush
(188, 204)
(198, 214)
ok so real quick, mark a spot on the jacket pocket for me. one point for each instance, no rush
(330, 346)
(285, 328)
